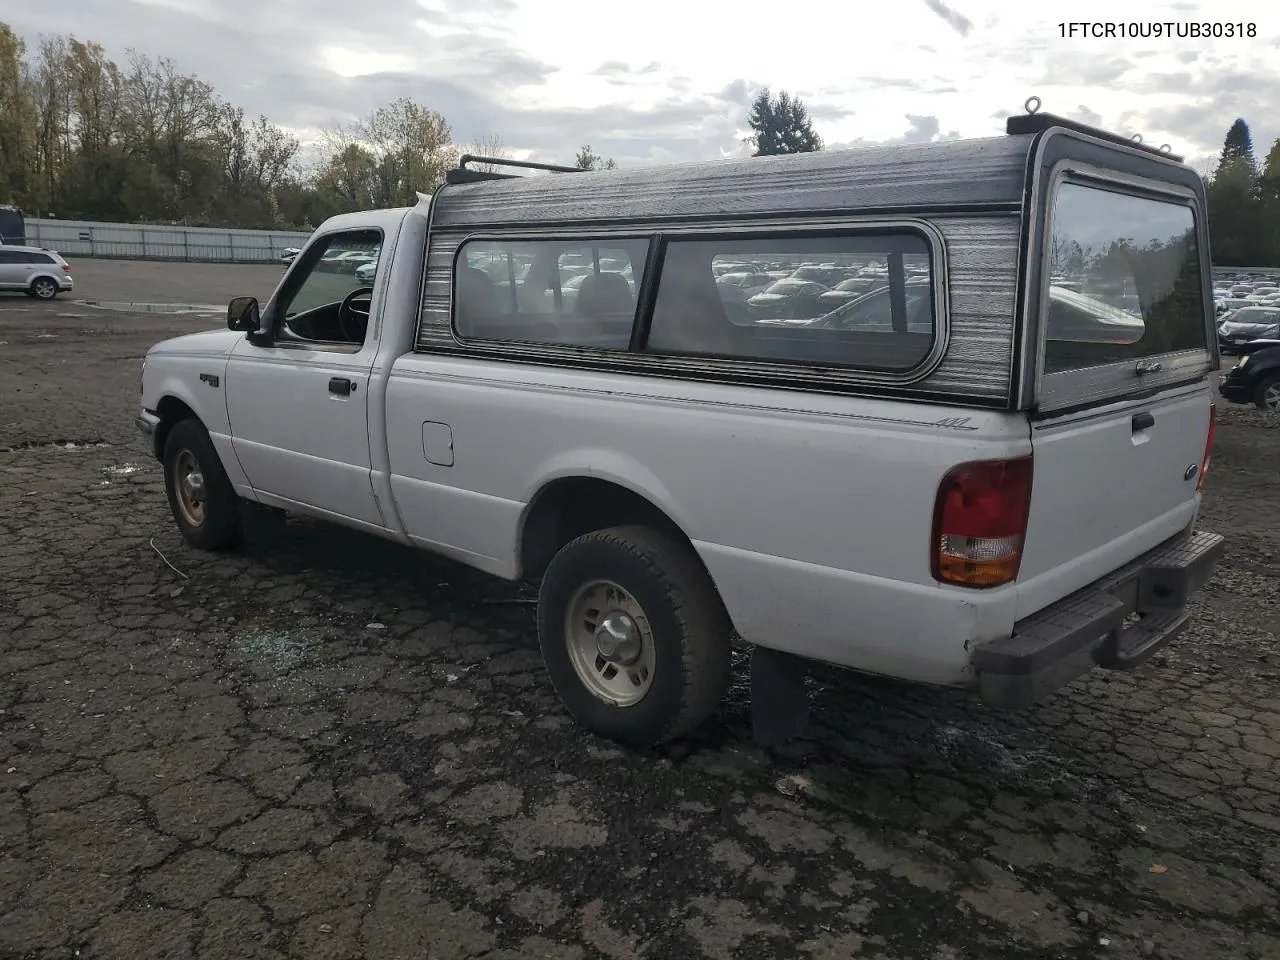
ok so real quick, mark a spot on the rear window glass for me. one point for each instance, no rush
(1124, 279)
(861, 300)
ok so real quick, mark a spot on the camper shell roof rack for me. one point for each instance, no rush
(1035, 122)
(462, 175)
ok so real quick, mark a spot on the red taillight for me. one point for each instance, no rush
(66, 267)
(979, 522)
(1208, 446)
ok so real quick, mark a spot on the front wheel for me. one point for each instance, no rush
(634, 635)
(203, 502)
(42, 288)
(1267, 396)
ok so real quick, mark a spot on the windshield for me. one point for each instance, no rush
(1256, 315)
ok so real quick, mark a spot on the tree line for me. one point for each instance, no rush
(85, 137)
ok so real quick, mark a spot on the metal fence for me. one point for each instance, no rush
(138, 241)
(1227, 273)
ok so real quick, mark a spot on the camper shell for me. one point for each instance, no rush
(980, 205)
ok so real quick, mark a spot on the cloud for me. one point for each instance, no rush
(618, 73)
(920, 129)
(961, 24)
(1084, 115)
(504, 67)
(612, 68)
(925, 130)
(741, 92)
(1081, 68)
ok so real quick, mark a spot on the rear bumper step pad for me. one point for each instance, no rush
(1116, 622)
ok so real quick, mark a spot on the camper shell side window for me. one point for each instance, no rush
(723, 296)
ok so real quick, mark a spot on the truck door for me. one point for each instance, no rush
(298, 405)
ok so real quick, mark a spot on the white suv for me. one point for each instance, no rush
(35, 271)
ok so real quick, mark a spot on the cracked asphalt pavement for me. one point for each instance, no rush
(328, 747)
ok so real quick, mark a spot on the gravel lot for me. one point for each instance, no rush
(329, 747)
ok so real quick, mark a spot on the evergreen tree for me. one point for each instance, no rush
(1240, 210)
(1238, 146)
(781, 125)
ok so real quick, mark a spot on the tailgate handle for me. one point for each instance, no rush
(1143, 421)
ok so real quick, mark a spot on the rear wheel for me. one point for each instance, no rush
(1267, 396)
(634, 635)
(203, 502)
(42, 288)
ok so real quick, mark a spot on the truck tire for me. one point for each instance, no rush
(634, 635)
(1267, 395)
(201, 497)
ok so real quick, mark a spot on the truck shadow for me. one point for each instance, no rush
(875, 726)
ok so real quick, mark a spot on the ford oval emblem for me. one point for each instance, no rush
(1191, 471)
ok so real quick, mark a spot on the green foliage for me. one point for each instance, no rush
(781, 125)
(82, 137)
(588, 159)
(1244, 203)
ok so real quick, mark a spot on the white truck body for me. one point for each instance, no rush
(817, 508)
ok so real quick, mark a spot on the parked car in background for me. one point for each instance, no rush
(850, 289)
(827, 274)
(788, 299)
(345, 261)
(35, 271)
(367, 271)
(1231, 305)
(874, 311)
(1256, 378)
(289, 254)
(1075, 317)
(724, 267)
(749, 283)
(1246, 325)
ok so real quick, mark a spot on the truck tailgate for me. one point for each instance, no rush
(1110, 483)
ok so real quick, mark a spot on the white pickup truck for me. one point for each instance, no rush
(952, 428)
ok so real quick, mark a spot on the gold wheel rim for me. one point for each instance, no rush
(188, 483)
(610, 643)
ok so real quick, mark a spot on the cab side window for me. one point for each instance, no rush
(327, 301)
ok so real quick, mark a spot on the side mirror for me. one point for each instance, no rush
(242, 314)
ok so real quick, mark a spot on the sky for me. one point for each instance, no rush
(659, 81)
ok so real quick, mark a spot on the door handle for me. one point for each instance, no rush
(1143, 421)
(341, 386)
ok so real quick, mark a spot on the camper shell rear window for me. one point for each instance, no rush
(1124, 278)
